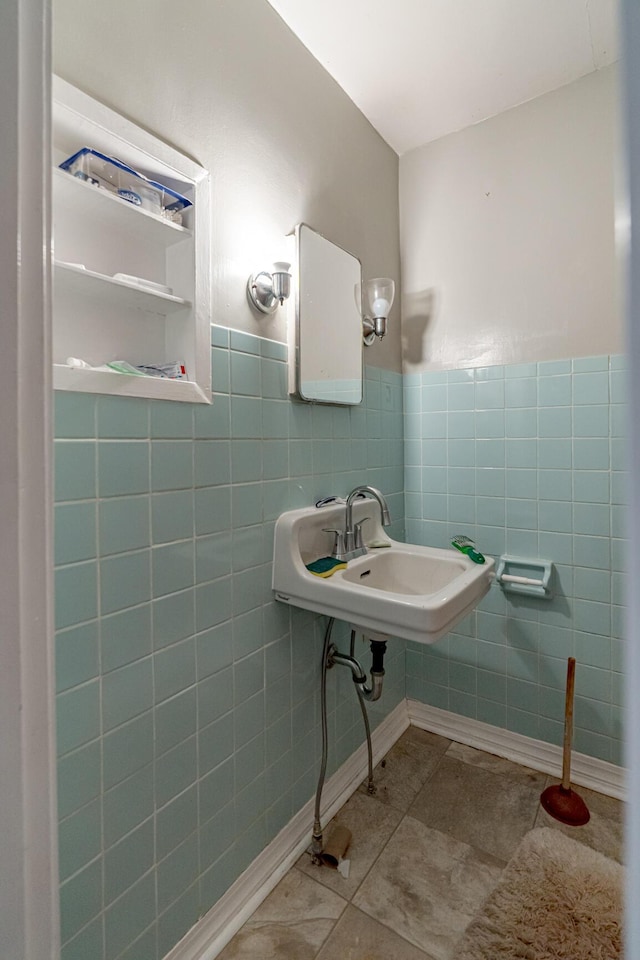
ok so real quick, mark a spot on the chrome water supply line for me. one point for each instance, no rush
(330, 656)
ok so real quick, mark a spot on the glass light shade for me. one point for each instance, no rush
(378, 297)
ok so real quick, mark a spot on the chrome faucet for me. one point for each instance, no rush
(348, 542)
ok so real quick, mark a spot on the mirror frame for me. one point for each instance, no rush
(296, 337)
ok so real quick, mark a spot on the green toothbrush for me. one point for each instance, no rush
(468, 547)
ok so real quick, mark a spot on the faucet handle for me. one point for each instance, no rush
(357, 533)
(339, 549)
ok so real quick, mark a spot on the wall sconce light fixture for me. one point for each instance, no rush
(268, 290)
(377, 299)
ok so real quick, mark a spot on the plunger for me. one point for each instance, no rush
(559, 800)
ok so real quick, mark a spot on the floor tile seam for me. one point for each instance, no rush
(322, 886)
(496, 773)
(333, 925)
(380, 852)
(438, 761)
(370, 916)
(429, 777)
(483, 854)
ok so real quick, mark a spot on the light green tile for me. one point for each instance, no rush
(245, 375)
(123, 468)
(176, 820)
(275, 419)
(79, 778)
(219, 336)
(128, 860)
(212, 462)
(75, 532)
(75, 594)
(80, 900)
(123, 417)
(75, 470)
(220, 374)
(88, 943)
(171, 420)
(77, 655)
(173, 567)
(172, 516)
(246, 417)
(248, 677)
(250, 718)
(130, 915)
(171, 465)
(213, 422)
(79, 838)
(248, 589)
(177, 872)
(214, 649)
(213, 556)
(215, 696)
(127, 749)
(274, 379)
(145, 946)
(174, 669)
(244, 342)
(249, 762)
(215, 743)
(176, 770)
(213, 603)
(74, 415)
(173, 618)
(128, 804)
(77, 716)
(124, 581)
(212, 510)
(126, 692)
(175, 720)
(125, 636)
(124, 524)
(180, 917)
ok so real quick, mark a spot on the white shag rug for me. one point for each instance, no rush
(556, 900)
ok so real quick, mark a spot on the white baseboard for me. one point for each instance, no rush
(586, 771)
(208, 937)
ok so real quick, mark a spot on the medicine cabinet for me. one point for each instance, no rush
(326, 326)
(128, 284)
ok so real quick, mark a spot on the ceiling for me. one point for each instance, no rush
(419, 69)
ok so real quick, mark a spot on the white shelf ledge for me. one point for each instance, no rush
(122, 384)
(109, 212)
(88, 283)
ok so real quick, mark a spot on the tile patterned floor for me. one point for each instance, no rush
(426, 851)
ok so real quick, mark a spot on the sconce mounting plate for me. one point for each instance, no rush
(260, 292)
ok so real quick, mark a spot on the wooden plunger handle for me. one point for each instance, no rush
(568, 724)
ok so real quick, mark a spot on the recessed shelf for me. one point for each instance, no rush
(98, 286)
(109, 212)
(121, 384)
(102, 244)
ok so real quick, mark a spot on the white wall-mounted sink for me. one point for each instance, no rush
(403, 590)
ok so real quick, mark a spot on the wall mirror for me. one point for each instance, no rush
(328, 324)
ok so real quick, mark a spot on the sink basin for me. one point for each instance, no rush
(402, 589)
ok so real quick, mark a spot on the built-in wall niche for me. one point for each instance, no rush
(99, 317)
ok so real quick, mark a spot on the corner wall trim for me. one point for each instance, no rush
(208, 937)
(586, 771)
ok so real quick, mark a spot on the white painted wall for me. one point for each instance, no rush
(507, 235)
(228, 83)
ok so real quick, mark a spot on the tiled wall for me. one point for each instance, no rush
(526, 459)
(188, 701)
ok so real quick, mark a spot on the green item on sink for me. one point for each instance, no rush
(468, 547)
(326, 566)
